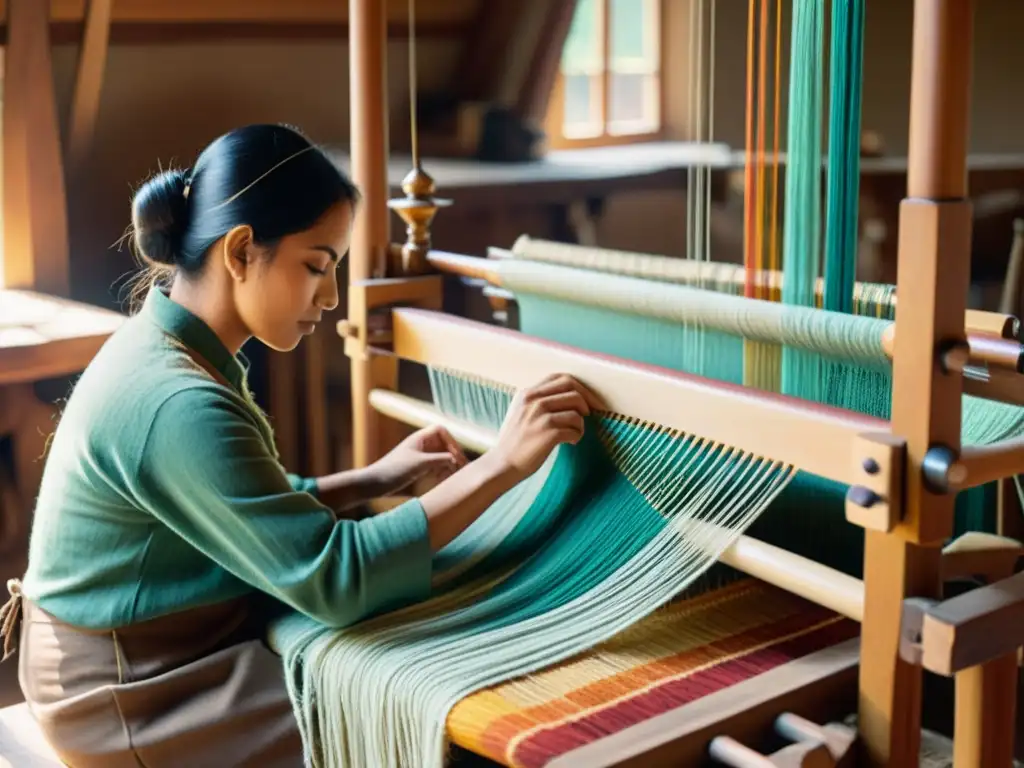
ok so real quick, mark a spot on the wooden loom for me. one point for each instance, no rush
(904, 472)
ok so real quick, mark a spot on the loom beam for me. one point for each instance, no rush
(855, 449)
(664, 268)
(983, 346)
(757, 422)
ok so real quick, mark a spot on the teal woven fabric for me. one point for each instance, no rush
(605, 533)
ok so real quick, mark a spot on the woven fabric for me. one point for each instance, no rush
(691, 648)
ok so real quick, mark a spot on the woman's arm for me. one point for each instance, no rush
(341, 491)
(206, 472)
(429, 451)
(538, 420)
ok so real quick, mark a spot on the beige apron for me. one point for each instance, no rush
(193, 689)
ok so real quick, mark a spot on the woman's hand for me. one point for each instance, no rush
(431, 451)
(541, 418)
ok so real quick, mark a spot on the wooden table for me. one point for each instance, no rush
(40, 338)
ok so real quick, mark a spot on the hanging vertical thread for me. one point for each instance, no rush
(760, 208)
(802, 228)
(843, 179)
(773, 261)
(748, 176)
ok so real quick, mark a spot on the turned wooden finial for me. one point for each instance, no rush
(417, 209)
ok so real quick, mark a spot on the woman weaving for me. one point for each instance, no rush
(166, 528)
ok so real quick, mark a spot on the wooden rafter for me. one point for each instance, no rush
(92, 61)
(35, 210)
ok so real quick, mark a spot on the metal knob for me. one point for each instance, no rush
(942, 471)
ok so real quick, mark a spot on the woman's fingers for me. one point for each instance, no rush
(565, 401)
(453, 446)
(563, 383)
(565, 421)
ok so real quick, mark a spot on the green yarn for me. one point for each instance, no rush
(801, 373)
(843, 175)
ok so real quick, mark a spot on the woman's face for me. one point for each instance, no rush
(283, 297)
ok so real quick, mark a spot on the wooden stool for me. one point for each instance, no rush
(22, 744)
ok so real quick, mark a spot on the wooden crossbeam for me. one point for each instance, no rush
(818, 439)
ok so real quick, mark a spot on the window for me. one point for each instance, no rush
(608, 90)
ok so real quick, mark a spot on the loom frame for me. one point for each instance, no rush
(903, 553)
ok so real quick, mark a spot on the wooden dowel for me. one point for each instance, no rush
(804, 577)
(993, 350)
(464, 266)
(982, 349)
(983, 464)
(730, 752)
(1003, 325)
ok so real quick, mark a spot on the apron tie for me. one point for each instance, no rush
(10, 619)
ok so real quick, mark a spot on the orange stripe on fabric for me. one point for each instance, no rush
(553, 740)
(594, 698)
(488, 722)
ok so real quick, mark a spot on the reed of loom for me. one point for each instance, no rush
(906, 469)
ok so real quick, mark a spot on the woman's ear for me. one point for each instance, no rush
(238, 252)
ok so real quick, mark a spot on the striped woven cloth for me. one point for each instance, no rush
(689, 649)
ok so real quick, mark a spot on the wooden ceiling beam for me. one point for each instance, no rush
(259, 11)
(179, 33)
(85, 106)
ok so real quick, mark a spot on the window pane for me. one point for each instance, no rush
(632, 103)
(582, 51)
(633, 38)
(580, 105)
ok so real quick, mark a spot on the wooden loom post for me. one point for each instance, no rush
(932, 283)
(371, 232)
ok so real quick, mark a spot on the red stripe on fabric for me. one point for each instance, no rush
(542, 746)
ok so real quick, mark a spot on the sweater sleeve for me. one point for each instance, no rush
(301, 484)
(206, 473)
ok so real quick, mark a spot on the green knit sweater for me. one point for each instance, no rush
(162, 491)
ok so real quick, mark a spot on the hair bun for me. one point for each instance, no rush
(160, 216)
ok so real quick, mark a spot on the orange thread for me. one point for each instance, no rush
(748, 186)
(774, 259)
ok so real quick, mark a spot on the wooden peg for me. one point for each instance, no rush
(840, 739)
(730, 752)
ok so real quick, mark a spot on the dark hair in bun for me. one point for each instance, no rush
(160, 216)
(269, 177)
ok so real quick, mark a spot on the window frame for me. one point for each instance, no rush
(553, 121)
